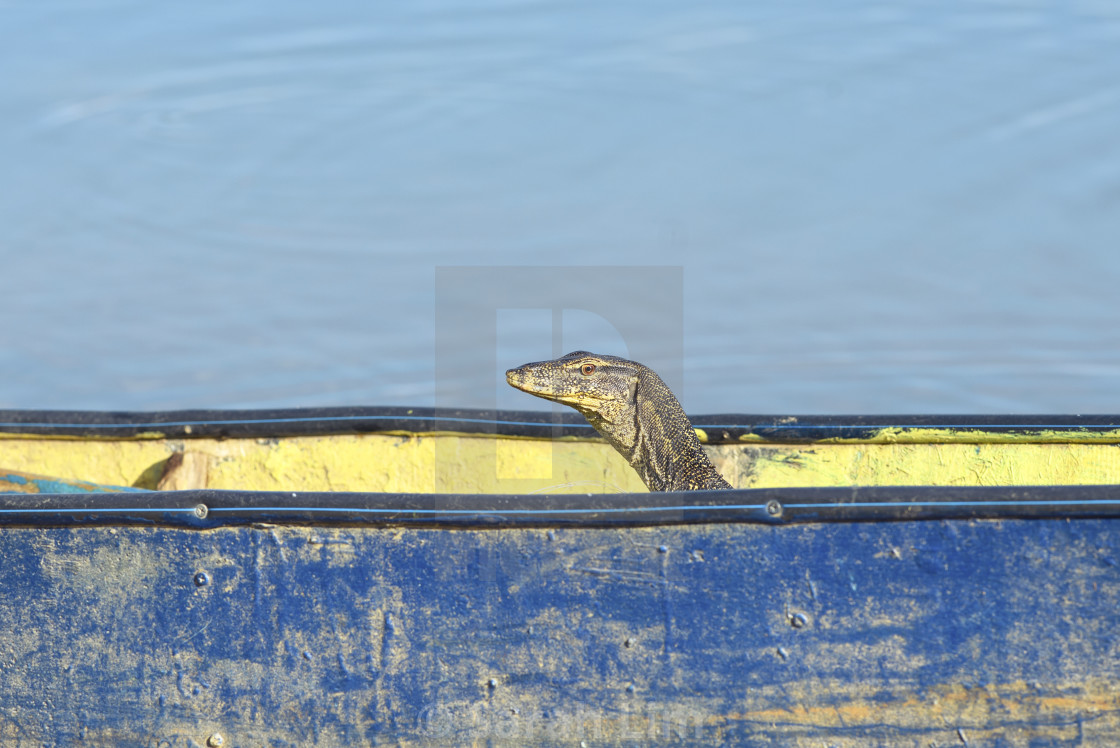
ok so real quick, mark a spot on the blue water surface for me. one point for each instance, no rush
(878, 207)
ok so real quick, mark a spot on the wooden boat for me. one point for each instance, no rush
(403, 576)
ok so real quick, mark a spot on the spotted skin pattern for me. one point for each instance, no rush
(633, 409)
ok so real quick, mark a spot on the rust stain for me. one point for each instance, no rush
(990, 705)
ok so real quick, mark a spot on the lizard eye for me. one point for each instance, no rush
(587, 369)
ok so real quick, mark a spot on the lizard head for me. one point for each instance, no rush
(595, 385)
(630, 406)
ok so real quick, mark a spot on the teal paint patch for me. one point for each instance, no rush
(45, 485)
(55, 485)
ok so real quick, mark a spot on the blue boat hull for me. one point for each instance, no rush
(862, 633)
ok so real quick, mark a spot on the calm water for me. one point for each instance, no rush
(878, 207)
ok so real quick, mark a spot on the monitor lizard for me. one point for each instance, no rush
(633, 409)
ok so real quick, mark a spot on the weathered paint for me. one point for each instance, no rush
(121, 462)
(901, 634)
(918, 464)
(371, 462)
(426, 463)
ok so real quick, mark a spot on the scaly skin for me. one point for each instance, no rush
(633, 409)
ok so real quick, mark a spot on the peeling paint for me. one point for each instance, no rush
(352, 636)
(935, 464)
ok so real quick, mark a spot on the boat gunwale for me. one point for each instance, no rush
(209, 508)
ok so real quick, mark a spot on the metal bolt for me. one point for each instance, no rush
(216, 740)
(774, 508)
(200, 511)
(798, 620)
(201, 579)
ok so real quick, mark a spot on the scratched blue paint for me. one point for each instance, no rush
(318, 636)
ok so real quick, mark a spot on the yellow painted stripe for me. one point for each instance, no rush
(424, 463)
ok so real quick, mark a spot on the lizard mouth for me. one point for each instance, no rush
(517, 378)
(524, 379)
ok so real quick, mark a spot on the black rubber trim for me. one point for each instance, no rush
(720, 429)
(207, 508)
(181, 424)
